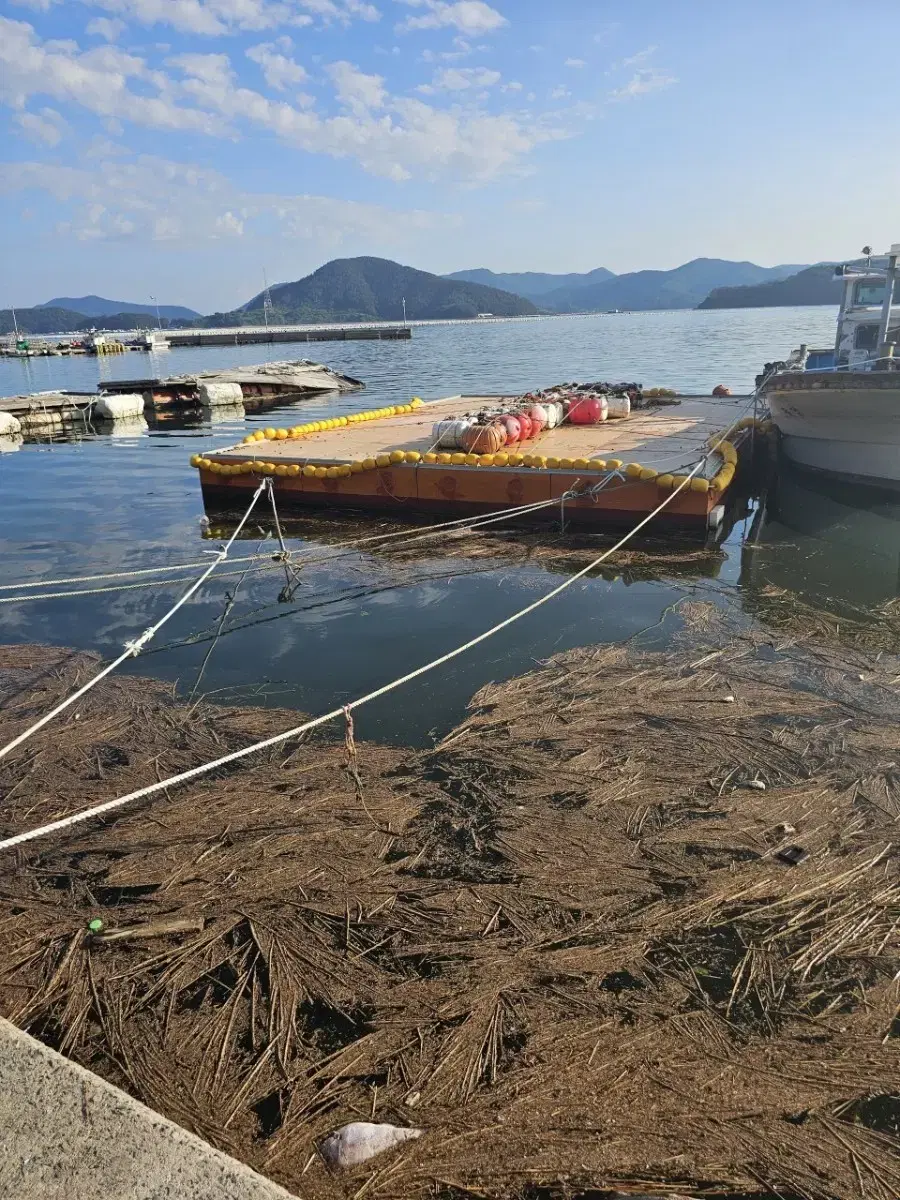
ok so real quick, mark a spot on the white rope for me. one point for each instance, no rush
(133, 649)
(131, 587)
(9, 587)
(99, 809)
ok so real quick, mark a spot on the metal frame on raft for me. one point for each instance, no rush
(592, 492)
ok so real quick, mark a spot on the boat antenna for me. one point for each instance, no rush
(15, 326)
(867, 251)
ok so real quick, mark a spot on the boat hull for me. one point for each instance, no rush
(847, 426)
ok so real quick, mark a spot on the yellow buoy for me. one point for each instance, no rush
(581, 464)
(282, 470)
(487, 460)
(429, 457)
(471, 460)
(293, 470)
(648, 473)
(195, 460)
(270, 432)
(678, 480)
(445, 459)
(417, 402)
(397, 456)
(320, 472)
(598, 464)
(501, 459)
(369, 464)
(633, 470)
(567, 463)
(664, 481)
(309, 471)
(413, 456)
(699, 484)
(356, 468)
(343, 471)
(614, 463)
(539, 461)
(457, 459)
(383, 460)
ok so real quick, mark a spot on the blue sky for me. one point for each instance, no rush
(180, 147)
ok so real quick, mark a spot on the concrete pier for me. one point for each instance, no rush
(253, 335)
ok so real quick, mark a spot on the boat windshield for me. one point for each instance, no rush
(869, 294)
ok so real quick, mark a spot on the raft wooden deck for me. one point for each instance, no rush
(666, 440)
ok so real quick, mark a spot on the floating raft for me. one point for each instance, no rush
(236, 385)
(612, 473)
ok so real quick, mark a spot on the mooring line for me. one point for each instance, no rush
(133, 648)
(194, 772)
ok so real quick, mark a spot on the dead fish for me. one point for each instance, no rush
(362, 1140)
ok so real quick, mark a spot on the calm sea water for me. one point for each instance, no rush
(101, 503)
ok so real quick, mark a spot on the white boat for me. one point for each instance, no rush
(838, 410)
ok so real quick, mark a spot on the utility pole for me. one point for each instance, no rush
(267, 300)
(158, 321)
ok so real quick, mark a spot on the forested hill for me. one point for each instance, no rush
(815, 285)
(373, 289)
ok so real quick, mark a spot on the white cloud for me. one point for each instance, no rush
(96, 79)
(512, 86)
(228, 225)
(159, 200)
(106, 27)
(279, 70)
(468, 16)
(396, 137)
(559, 92)
(639, 59)
(460, 79)
(359, 91)
(642, 82)
(462, 48)
(575, 62)
(46, 127)
(213, 18)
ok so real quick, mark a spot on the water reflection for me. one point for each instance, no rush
(833, 544)
(100, 504)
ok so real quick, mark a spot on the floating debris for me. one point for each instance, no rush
(361, 1140)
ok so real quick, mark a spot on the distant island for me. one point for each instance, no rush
(374, 289)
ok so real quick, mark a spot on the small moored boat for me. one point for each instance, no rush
(838, 409)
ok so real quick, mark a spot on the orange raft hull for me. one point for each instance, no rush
(408, 489)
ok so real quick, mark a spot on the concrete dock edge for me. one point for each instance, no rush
(69, 1135)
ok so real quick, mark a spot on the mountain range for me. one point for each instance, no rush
(533, 285)
(374, 289)
(97, 306)
(600, 290)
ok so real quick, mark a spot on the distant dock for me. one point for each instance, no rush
(39, 345)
